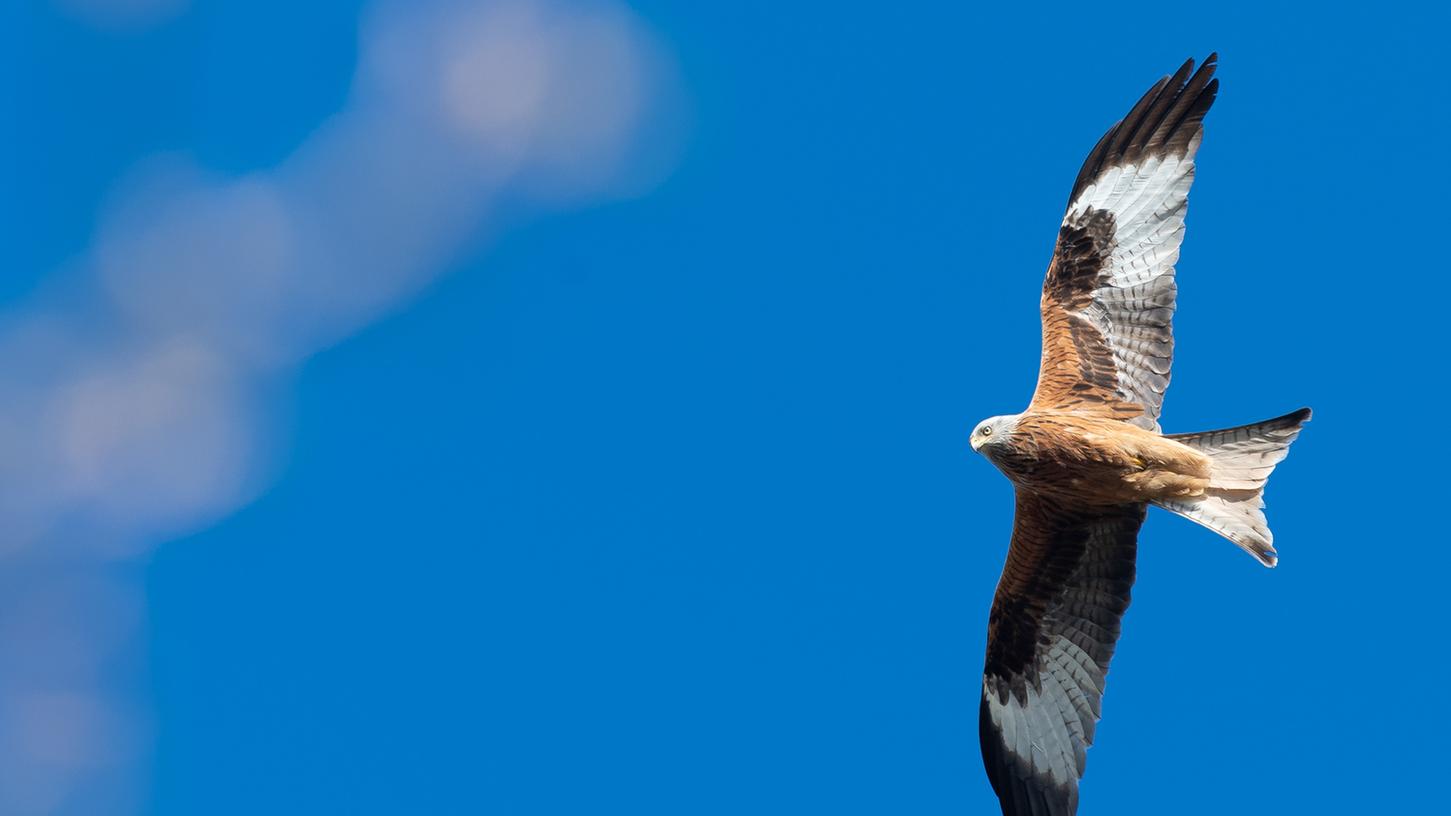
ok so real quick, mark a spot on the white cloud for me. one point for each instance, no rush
(70, 743)
(156, 441)
(138, 401)
(134, 389)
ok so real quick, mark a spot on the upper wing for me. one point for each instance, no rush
(1054, 623)
(1108, 298)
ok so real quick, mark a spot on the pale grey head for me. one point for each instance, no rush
(993, 432)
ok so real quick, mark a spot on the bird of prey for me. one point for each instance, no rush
(1087, 457)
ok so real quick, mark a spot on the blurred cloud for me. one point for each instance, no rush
(135, 385)
(72, 738)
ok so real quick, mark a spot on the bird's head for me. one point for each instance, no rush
(992, 433)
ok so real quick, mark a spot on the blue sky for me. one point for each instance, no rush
(620, 464)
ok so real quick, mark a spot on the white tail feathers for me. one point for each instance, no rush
(1241, 520)
(1241, 460)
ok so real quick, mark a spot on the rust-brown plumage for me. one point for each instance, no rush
(1087, 457)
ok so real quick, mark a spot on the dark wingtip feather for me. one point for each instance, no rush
(1164, 120)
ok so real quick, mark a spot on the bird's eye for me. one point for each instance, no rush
(987, 430)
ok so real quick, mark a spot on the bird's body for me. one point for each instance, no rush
(1092, 460)
(1087, 457)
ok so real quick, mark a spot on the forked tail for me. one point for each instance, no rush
(1241, 460)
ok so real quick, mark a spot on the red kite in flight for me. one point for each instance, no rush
(1087, 457)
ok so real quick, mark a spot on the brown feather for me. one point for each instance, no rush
(1091, 460)
(1107, 345)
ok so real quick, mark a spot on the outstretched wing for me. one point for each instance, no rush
(1108, 298)
(1054, 622)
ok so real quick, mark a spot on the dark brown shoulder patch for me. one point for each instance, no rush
(1080, 266)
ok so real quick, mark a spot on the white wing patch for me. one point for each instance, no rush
(1133, 308)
